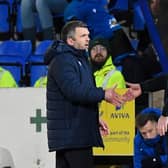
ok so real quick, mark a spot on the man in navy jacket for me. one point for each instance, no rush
(72, 99)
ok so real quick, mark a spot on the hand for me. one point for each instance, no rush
(128, 95)
(134, 89)
(162, 125)
(114, 98)
(104, 130)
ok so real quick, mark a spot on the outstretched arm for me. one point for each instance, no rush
(155, 84)
(158, 83)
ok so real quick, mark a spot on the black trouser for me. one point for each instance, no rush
(74, 158)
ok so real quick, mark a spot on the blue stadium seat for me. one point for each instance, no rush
(14, 56)
(36, 62)
(5, 26)
(37, 70)
(42, 47)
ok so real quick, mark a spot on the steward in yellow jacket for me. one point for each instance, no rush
(105, 73)
(6, 79)
(41, 82)
(108, 76)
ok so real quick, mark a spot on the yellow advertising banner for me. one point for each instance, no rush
(121, 123)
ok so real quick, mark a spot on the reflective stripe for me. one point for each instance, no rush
(107, 77)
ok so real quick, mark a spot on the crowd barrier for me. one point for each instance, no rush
(24, 135)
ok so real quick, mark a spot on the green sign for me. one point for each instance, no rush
(38, 120)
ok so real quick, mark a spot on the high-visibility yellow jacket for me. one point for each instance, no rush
(41, 82)
(108, 76)
(6, 79)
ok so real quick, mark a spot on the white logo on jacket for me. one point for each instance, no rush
(79, 63)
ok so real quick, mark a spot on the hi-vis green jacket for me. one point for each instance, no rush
(6, 79)
(41, 82)
(108, 76)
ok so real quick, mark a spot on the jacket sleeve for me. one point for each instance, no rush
(137, 158)
(67, 77)
(155, 84)
(165, 109)
(158, 83)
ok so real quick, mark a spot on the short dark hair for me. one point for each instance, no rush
(68, 30)
(143, 118)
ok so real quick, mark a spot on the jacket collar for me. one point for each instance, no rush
(106, 67)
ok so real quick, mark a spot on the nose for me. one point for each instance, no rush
(148, 136)
(99, 49)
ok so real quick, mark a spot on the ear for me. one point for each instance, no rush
(70, 41)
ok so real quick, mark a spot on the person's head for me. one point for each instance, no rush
(98, 50)
(154, 5)
(146, 122)
(76, 34)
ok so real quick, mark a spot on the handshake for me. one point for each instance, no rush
(114, 98)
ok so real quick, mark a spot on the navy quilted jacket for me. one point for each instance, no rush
(72, 99)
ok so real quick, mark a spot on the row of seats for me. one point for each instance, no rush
(25, 66)
(11, 25)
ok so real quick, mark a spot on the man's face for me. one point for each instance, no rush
(149, 130)
(154, 5)
(81, 38)
(98, 53)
